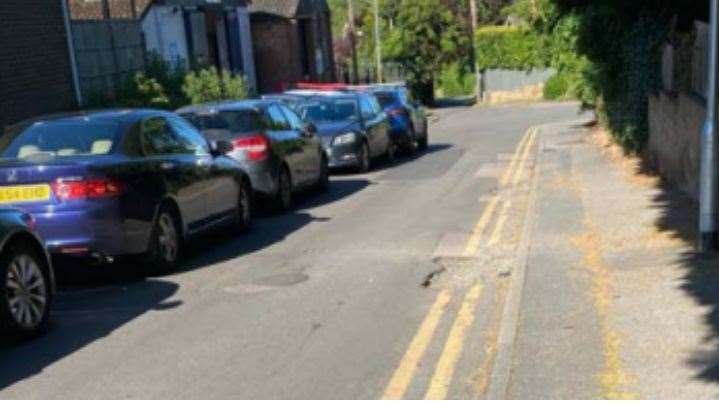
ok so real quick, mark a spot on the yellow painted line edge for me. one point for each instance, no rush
(444, 371)
(402, 376)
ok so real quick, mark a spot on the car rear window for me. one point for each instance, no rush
(58, 138)
(329, 110)
(385, 99)
(236, 121)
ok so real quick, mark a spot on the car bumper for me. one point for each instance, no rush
(343, 156)
(97, 229)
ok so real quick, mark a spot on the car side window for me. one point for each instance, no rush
(277, 120)
(159, 139)
(366, 108)
(295, 122)
(375, 105)
(192, 140)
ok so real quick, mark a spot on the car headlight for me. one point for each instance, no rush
(344, 139)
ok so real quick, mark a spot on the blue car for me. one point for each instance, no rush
(121, 182)
(27, 282)
(407, 118)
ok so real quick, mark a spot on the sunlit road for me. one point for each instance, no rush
(389, 286)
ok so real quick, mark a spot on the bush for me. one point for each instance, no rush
(209, 85)
(142, 91)
(510, 48)
(456, 80)
(556, 88)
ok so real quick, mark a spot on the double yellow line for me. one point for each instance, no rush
(512, 176)
(444, 370)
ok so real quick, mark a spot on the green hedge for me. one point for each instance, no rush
(504, 47)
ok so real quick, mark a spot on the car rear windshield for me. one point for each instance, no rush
(386, 98)
(59, 138)
(235, 121)
(329, 110)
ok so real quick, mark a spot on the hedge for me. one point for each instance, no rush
(516, 48)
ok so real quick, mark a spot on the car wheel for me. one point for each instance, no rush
(283, 199)
(364, 164)
(391, 151)
(166, 244)
(425, 140)
(26, 291)
(324, 181)
(244, 207)
(413, 142)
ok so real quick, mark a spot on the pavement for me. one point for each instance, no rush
(516, 258)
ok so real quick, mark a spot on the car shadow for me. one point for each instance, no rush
(268, 229)
(401, 159)
(82, 315)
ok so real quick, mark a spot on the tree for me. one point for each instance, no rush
(426, 37)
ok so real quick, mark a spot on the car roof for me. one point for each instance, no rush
(122, 116)
(251, 104)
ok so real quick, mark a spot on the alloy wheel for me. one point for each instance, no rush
(26, 291)
(167, 238)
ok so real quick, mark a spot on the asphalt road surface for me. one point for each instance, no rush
(391, 285)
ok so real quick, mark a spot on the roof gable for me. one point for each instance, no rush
(288, 8)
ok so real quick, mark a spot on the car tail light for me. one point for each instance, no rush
(255, 147)
(396, 112)
(86, 189)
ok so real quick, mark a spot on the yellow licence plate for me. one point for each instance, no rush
(21, 194)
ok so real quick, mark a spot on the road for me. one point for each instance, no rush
(391, 285)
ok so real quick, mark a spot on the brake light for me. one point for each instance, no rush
(255, 147)
(396, 112)
(86, 189)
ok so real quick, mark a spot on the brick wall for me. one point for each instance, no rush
(277, 58)
(675, 123)
(35, 74)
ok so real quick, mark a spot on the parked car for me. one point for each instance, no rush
(407, 118)
(121, 182)
(281, 153)
(352, 126)
(27, 285)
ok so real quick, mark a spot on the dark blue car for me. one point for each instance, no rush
(121, 182)
(407, 118)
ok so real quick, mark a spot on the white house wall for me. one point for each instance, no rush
(248, 58)
(164, 30)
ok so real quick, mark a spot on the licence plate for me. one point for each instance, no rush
(22, 194)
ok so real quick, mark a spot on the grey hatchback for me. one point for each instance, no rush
(281, 153)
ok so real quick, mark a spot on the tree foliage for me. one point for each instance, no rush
(426, 38)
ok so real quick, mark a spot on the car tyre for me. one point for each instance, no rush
(244, 207)
(423, 143)
(323, 183)
(283, 199)
(391, 152)
(363, 166)
(165, 242)
(26, 292)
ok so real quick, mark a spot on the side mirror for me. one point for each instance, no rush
(221, 147)
(309, 129)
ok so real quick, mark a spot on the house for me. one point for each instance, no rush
(36, 74)
(292, 42)
(200, 33)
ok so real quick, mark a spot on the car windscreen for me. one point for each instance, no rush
(329, 110)
(386, 99)
(234, 121)
(59, 138)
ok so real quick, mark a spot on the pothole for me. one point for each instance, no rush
(283, 279)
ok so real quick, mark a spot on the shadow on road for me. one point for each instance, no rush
(80, 317)
(701, 278)
(401, 159)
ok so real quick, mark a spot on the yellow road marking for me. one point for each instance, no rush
(442, 378)
(510, 169)
(503, 216)
(402, 376)
(476, 237)
(523, 161)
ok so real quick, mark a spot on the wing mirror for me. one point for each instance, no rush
(221, 147)
(309, 129)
